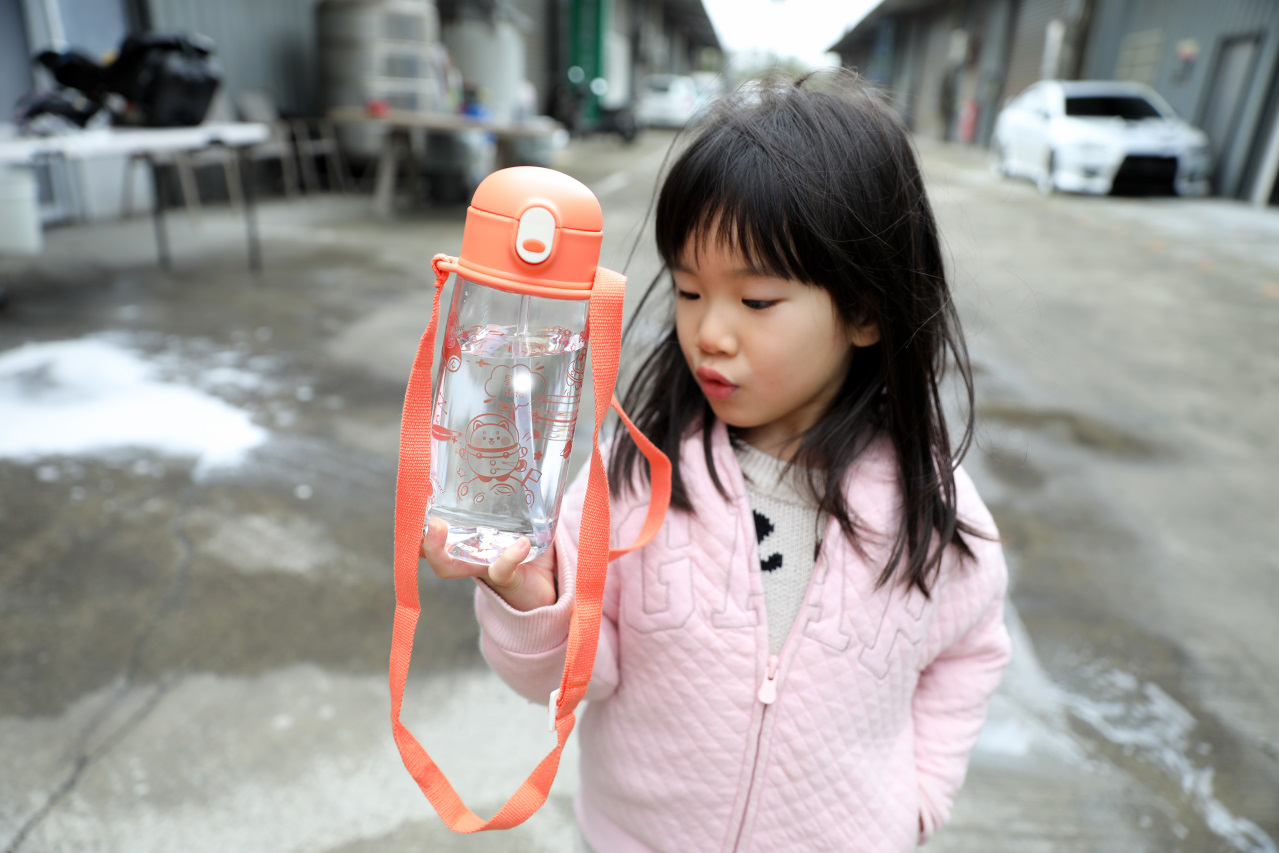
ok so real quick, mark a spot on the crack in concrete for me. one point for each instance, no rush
(85, 756)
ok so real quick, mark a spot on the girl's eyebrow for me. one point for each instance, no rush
(748, 271)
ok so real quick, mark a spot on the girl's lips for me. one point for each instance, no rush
(714, 384)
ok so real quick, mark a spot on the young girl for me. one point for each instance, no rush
(802, 658)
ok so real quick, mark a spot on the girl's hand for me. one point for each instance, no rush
(524, 586)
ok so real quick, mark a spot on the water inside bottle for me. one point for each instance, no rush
(502, 434)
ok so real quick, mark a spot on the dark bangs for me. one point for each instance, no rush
(725, 190)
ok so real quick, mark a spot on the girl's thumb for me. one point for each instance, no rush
(504, 573)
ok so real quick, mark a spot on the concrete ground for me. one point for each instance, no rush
(196, 500)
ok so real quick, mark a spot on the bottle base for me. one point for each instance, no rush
(483, 545)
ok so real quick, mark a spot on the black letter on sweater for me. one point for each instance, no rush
(763, 526)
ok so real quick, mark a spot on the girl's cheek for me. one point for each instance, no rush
(685, 332)
(684, 346)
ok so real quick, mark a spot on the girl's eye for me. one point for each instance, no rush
(684, 294)
(759, 304)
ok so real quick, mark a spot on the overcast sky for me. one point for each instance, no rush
(799, 28)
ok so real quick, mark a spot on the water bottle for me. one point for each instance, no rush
(513, 358)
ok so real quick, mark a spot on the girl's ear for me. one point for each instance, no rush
(864, 335)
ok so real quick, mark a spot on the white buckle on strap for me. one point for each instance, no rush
(553, 707)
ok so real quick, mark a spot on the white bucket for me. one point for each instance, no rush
(20, 230)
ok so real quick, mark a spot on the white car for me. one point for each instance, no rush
(667, 100)
(1099, 136)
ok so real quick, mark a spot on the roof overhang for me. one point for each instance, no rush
(691, 17)
(865, 28)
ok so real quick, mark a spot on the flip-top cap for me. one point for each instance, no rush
(530, 229)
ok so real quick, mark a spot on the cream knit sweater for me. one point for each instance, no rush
(787, 529)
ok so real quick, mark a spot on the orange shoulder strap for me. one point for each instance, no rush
(413, 498)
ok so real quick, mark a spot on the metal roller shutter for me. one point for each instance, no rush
(1028, 43)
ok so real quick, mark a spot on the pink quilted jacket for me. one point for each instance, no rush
(855, 738)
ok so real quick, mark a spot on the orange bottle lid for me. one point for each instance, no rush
(532, 230)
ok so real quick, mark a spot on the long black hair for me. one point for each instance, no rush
(815, 179)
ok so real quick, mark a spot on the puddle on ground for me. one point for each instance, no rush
(1175, 752)
(120, 565)
(1126, 686)
(123, 567)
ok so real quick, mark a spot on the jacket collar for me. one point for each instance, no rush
(870, 483)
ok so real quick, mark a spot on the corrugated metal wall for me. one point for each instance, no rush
(261, 45)
(1209, 23)
(1027, 53)
(996, 45)
(909, 59)
(1206, 21)
(928, 117)
(857, 56)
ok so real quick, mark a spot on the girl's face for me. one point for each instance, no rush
(769, 353)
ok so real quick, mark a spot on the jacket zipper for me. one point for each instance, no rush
(767, 693)
(768, 690)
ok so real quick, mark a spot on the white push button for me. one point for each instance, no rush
(536, 235)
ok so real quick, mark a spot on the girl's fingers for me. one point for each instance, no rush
(434, 541)
(504, 574)
(524, 587)
(421, 550)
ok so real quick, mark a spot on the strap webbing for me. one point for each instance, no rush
(412, 498)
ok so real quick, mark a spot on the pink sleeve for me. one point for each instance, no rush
(526, 649)
(954, 690)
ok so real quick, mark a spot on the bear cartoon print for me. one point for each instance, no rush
(491, 461)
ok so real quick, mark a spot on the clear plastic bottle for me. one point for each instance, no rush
(513, 358)
(505, 408)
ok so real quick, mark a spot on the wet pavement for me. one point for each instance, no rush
(195, 614)
(1127, 365)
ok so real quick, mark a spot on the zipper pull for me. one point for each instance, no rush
(768, 690)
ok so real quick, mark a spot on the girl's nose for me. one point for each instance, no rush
(715, 335)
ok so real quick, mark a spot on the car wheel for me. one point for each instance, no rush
(1047, 182)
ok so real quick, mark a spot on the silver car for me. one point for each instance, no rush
(1099, 136)
(667, 100)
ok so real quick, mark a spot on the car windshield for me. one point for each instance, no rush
(1126, 107)
(659, 84)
